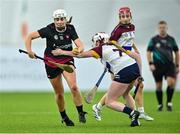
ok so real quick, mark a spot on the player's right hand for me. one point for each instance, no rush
(152, 67)
(31, 55)
(75, 51)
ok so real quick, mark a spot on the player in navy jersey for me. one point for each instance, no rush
(60, 34)
(163, 64)
(124, 34)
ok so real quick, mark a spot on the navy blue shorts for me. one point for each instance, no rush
(128, 74)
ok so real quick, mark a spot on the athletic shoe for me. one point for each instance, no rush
(160, 108)
(169, 106)
(134, 119)
(82, 117)
(67, 121)
(96, 112)
(145, 116)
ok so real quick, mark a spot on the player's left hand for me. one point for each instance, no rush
(57, 52)
(137, 51)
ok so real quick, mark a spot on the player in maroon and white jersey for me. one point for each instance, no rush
(60, 34)
(125, 71)
(124, 34)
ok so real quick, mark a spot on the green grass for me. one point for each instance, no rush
(37, 113)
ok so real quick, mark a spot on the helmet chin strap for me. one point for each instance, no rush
(61, 29)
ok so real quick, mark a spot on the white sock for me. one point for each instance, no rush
(169, 104)
(99, 106)
(141, 109)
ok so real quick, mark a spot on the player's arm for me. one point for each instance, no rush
(135, 48)
(74, 36)
(149, 57)
(28, 42)
(177, 61)
(150, 48)
(80, 46)
(85, 54)
(150, 60)
(177, 58)
(176, 52)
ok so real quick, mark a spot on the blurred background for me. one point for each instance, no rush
(18, 17)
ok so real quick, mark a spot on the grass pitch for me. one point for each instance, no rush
(37, 113)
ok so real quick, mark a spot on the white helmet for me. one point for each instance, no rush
(59, 13)
(101, 36)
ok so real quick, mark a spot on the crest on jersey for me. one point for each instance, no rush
(55, 37)
(67, 36)
(158, 45)
(61, 37)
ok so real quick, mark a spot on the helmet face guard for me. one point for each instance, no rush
(60, 15)
(100, 37)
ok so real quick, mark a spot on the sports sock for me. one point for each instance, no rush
(159, 95)
(169, 93)
(63, 114)
(141, 109)
(127, 110)
(99, 106)
(79, 108)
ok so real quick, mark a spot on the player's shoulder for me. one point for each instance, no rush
(51, 26)
(107, 46)
(155, 37)
(70, 27)
(170, 37)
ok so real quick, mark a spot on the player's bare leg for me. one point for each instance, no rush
(97, 107)
(115, 91)
(140, 104)
(129, 99)
(169, 92)
(159, 95)
(59, 96)
(77, 98)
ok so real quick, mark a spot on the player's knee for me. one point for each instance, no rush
(108, 102)
(74, 88)
(59, 96)
(158, 87)
(171, 83)
(141, 86)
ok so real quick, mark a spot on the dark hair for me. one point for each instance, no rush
(162, 22)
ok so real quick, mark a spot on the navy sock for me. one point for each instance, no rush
(79, 109)
(169, 92)
(63, 114)
(159, 95)
(127, 110)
